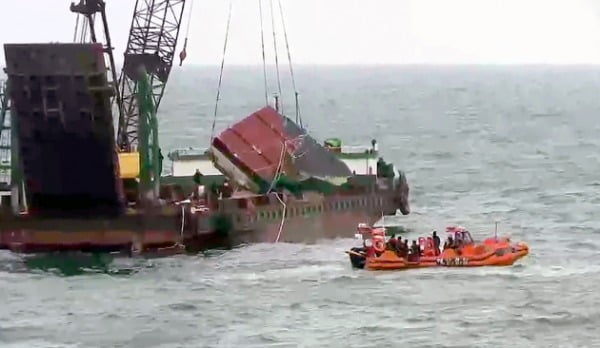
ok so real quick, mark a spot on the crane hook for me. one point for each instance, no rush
(183, 53)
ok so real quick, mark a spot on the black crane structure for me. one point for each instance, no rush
(152, 42)
(151, 46)
(88, 9)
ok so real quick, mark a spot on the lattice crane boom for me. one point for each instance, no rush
(152, 42)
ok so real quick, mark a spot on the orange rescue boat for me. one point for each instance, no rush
(461, 251)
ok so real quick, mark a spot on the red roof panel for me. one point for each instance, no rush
(238, 148)
(254, 144)
(256, 141)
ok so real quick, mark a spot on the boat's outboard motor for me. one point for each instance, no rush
(356, 260)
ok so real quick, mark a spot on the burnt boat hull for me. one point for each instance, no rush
(37, 239)
(306, 229)
(228, 222)
(33, 234)
(302, 223)
(162, 229)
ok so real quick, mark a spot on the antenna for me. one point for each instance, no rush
(276, 102)
(496, 231)
(383, 222)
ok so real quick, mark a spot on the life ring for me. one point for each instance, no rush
(379, 244)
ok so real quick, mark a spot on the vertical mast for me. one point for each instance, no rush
(150, 166)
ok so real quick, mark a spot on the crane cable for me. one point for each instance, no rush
(287, 46)
(84, 29)
(276, 56)
(91, 21)
(262, 41)
(76, 28)
(183, 52)
(187, 31)
(298, 119)
(212, 133)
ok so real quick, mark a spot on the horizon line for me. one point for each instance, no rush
(371, 65)
(405, 64)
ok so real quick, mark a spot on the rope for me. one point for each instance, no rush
(182, 222)
(212, 133)
(282, 217)
(276, 56)
(275, 178)
(279, 165)
(287, 46)
(262, 41)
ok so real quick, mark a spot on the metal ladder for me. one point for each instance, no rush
(5, 158)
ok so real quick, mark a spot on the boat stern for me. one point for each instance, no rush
(357, 257)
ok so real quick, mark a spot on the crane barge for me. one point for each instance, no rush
(77, 184)
(69, 181)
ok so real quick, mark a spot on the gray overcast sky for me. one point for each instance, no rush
(354, 31)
